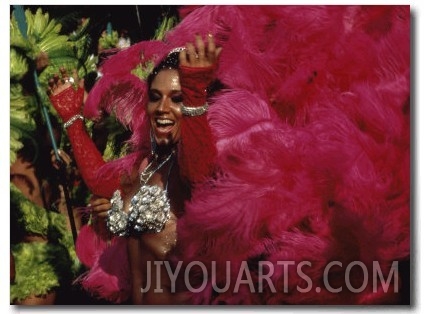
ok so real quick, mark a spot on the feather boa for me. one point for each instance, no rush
(109, 276)
(315, 164)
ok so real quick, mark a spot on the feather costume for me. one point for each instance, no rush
(312, 139)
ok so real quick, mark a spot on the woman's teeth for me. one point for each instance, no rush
(164, 122)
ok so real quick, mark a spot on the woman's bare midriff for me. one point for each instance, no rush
(157, 271)
(150, 268)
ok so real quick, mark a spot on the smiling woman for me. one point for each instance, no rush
(150, 198)
(296, 164)
(165, 100)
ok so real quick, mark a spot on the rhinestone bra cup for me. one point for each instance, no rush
(149, 211)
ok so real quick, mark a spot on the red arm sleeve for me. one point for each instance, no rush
(197, 149)
(85, 152)
(89, 161)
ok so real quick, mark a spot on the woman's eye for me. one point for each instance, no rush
(177, 99)
(154, 96)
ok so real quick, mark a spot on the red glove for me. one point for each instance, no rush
(197, 150)
(194, 82)
(68, 103)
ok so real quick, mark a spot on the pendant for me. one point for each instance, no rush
(117, 219)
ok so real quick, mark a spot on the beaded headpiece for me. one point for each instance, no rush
(171, 61)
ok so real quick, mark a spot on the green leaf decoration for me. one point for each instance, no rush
(42, 36)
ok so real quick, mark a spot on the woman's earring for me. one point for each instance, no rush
(152, 142)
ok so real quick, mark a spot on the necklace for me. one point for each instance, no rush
(149, 208)
(147, 173)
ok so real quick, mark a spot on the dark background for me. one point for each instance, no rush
(140, 21)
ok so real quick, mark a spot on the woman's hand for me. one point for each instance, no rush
(200, 55)
(65, 98)
(99, 206)
(62, 81)
(65, 158)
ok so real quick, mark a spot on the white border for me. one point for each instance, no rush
(416, 170)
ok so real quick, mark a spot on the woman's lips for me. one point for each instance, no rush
(164, 126)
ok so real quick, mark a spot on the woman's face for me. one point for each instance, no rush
(164, 107)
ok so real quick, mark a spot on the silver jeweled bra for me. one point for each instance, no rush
(149, 208)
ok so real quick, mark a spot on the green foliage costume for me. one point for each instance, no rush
(40, 267)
